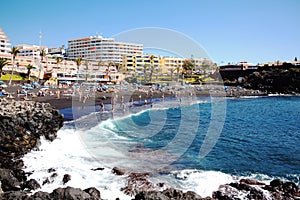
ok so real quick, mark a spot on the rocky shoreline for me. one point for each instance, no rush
(23, 123)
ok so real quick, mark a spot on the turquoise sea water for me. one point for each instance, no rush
(260, 136)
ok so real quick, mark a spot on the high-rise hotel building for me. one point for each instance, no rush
(4, 44)
(97, 48)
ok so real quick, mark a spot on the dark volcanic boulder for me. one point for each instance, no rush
(31, 184)
(93, 192)
(168, 194)
(8, 181)
(21, 126)
(22, 123)
(14, 195)
(72, 193)
(67, 193)
(66, 178)
(277, 189)
(118, 171)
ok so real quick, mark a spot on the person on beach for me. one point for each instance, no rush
(140, 98)
(80, 95)
(122, 101)
(101, 106)
(131, 102)
(123, 107)
(58, 93)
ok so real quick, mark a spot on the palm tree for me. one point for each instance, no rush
(188, 66)
(151, 67)
(29, 68)
(177, 71)
(86, 64)
(14, 52)
(146, 68)
(58, 60)
(3, 63)
(78, 63)
(42, 55)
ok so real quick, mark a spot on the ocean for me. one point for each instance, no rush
(196, 144)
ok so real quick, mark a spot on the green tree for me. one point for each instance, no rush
(151, 67)
(42, 55)
(78, 63)
(177, 71)
(3, 63)
(171, 73)
(29, 68)
(58, 61)
(146, 72)
(14, 52)
(188, 67)
(86, 64)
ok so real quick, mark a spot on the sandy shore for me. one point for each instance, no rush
(66, 100)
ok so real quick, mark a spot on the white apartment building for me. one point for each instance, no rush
(4, 43)
(97, 48)
(30, 50)
(57, 52)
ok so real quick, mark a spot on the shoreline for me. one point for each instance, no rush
(67, 102)
(65, 99)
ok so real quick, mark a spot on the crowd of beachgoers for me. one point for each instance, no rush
(66, 95)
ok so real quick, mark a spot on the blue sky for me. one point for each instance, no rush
(229, 30)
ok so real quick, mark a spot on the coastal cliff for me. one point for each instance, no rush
(269, 80)
(275, 80)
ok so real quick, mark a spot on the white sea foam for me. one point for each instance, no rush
(67, 155)
(202, 182)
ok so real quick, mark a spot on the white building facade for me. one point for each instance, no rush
(4, 43)
(97, 48)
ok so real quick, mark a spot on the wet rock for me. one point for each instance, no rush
(136, 183)
(168, 194)
(70, 194)
(251, 182)
(21, 126)
(66, 178)
(290, 188)
(150, 195)
(283, 190)
(14, 195)
(53, 176)
(9, 181)
(160, 184)
(51, 170)
(97, 169)
(118, 171)
(93, 192)
(20, 132)
(46, 181)
(40, 196)
(277, 189)
(31, 184)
